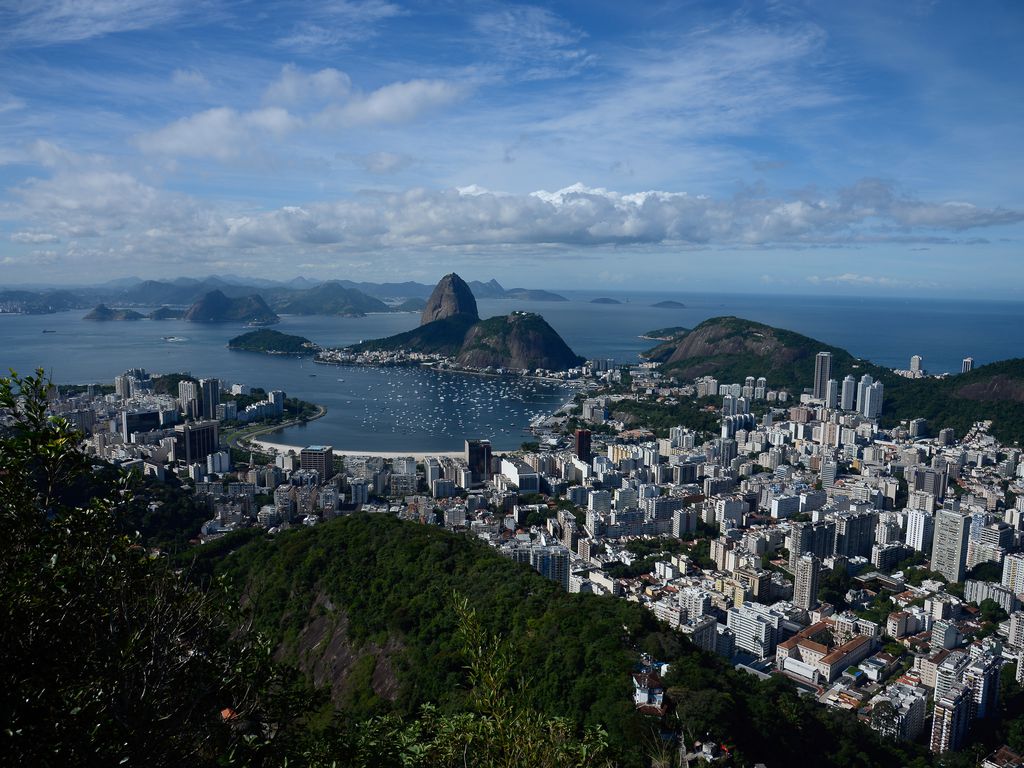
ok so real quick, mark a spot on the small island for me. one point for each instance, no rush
(664, 334)
(605, 300)
(271, 342)
(104, 313)
(669, 305)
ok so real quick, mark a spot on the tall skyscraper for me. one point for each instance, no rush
(915, 363)
(478, 457)
(805, 585)
(967, 365)
(949, 543)
(865, 381)
(822, 373)
(951, 717)
(195, 440)
(832, 393)
(920, 530)
(849, 395)
(319, 458)
(872, 402)
(209, 397)
(188, 399)
(581, 446)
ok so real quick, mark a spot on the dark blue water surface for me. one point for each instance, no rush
(399, 409)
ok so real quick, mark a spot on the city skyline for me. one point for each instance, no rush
(793, 148)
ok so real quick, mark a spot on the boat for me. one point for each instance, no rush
(47, 330)
(312, 375)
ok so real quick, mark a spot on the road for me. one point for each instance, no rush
(235, 440)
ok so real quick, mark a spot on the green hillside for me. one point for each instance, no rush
(443, 337)
(272, 342)
(732, 348)
(364, 604)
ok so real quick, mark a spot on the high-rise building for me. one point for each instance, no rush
(209, 397)
(915, 363)
(855, 533)
(849, 394)
(865, 381)
(581, 445)
(1013, 572)
(831, 393)
(920, 529)
(967, 365)
(319, 458)
(950, 719)
(195, 440)
(553, 562)
(982, 677)
(478, 458)
(949, 544)
(188, 398)
(872, 404)
(805, 585)
(822, 373)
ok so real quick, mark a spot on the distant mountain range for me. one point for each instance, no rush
(300, 295)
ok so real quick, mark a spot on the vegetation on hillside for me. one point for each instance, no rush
(272, 342)
(731, 348)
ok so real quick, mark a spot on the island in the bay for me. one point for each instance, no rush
(273, 342)
(450, 327)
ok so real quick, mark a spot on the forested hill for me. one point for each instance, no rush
(732, 348)
(364, 604)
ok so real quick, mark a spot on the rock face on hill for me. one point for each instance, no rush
(451, 297)
(215, 307)
(519, 340)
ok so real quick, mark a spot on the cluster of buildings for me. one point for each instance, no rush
(817, 545)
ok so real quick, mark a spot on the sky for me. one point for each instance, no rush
(869, 148)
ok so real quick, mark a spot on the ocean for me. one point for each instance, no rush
(407, 409)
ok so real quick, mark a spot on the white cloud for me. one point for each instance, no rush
(297, 87)
(34, 23)
(34, 237)
(222, 133)
(338, 24)
(394, 103)
(532, 43)
(121, 218)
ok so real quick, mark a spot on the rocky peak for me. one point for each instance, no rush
(451, 296)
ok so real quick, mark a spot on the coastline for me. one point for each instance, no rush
(268, 445)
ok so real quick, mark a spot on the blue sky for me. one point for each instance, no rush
(867, 148)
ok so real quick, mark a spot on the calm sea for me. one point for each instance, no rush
(398, 409)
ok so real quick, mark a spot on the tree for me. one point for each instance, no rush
(109, 657)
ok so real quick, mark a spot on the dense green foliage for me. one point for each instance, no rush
(383, 587)
(443, 337)
(665, 333)
(272, 342)
(731, 348)
(990, 392)
(661, 417)
(109, 657)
